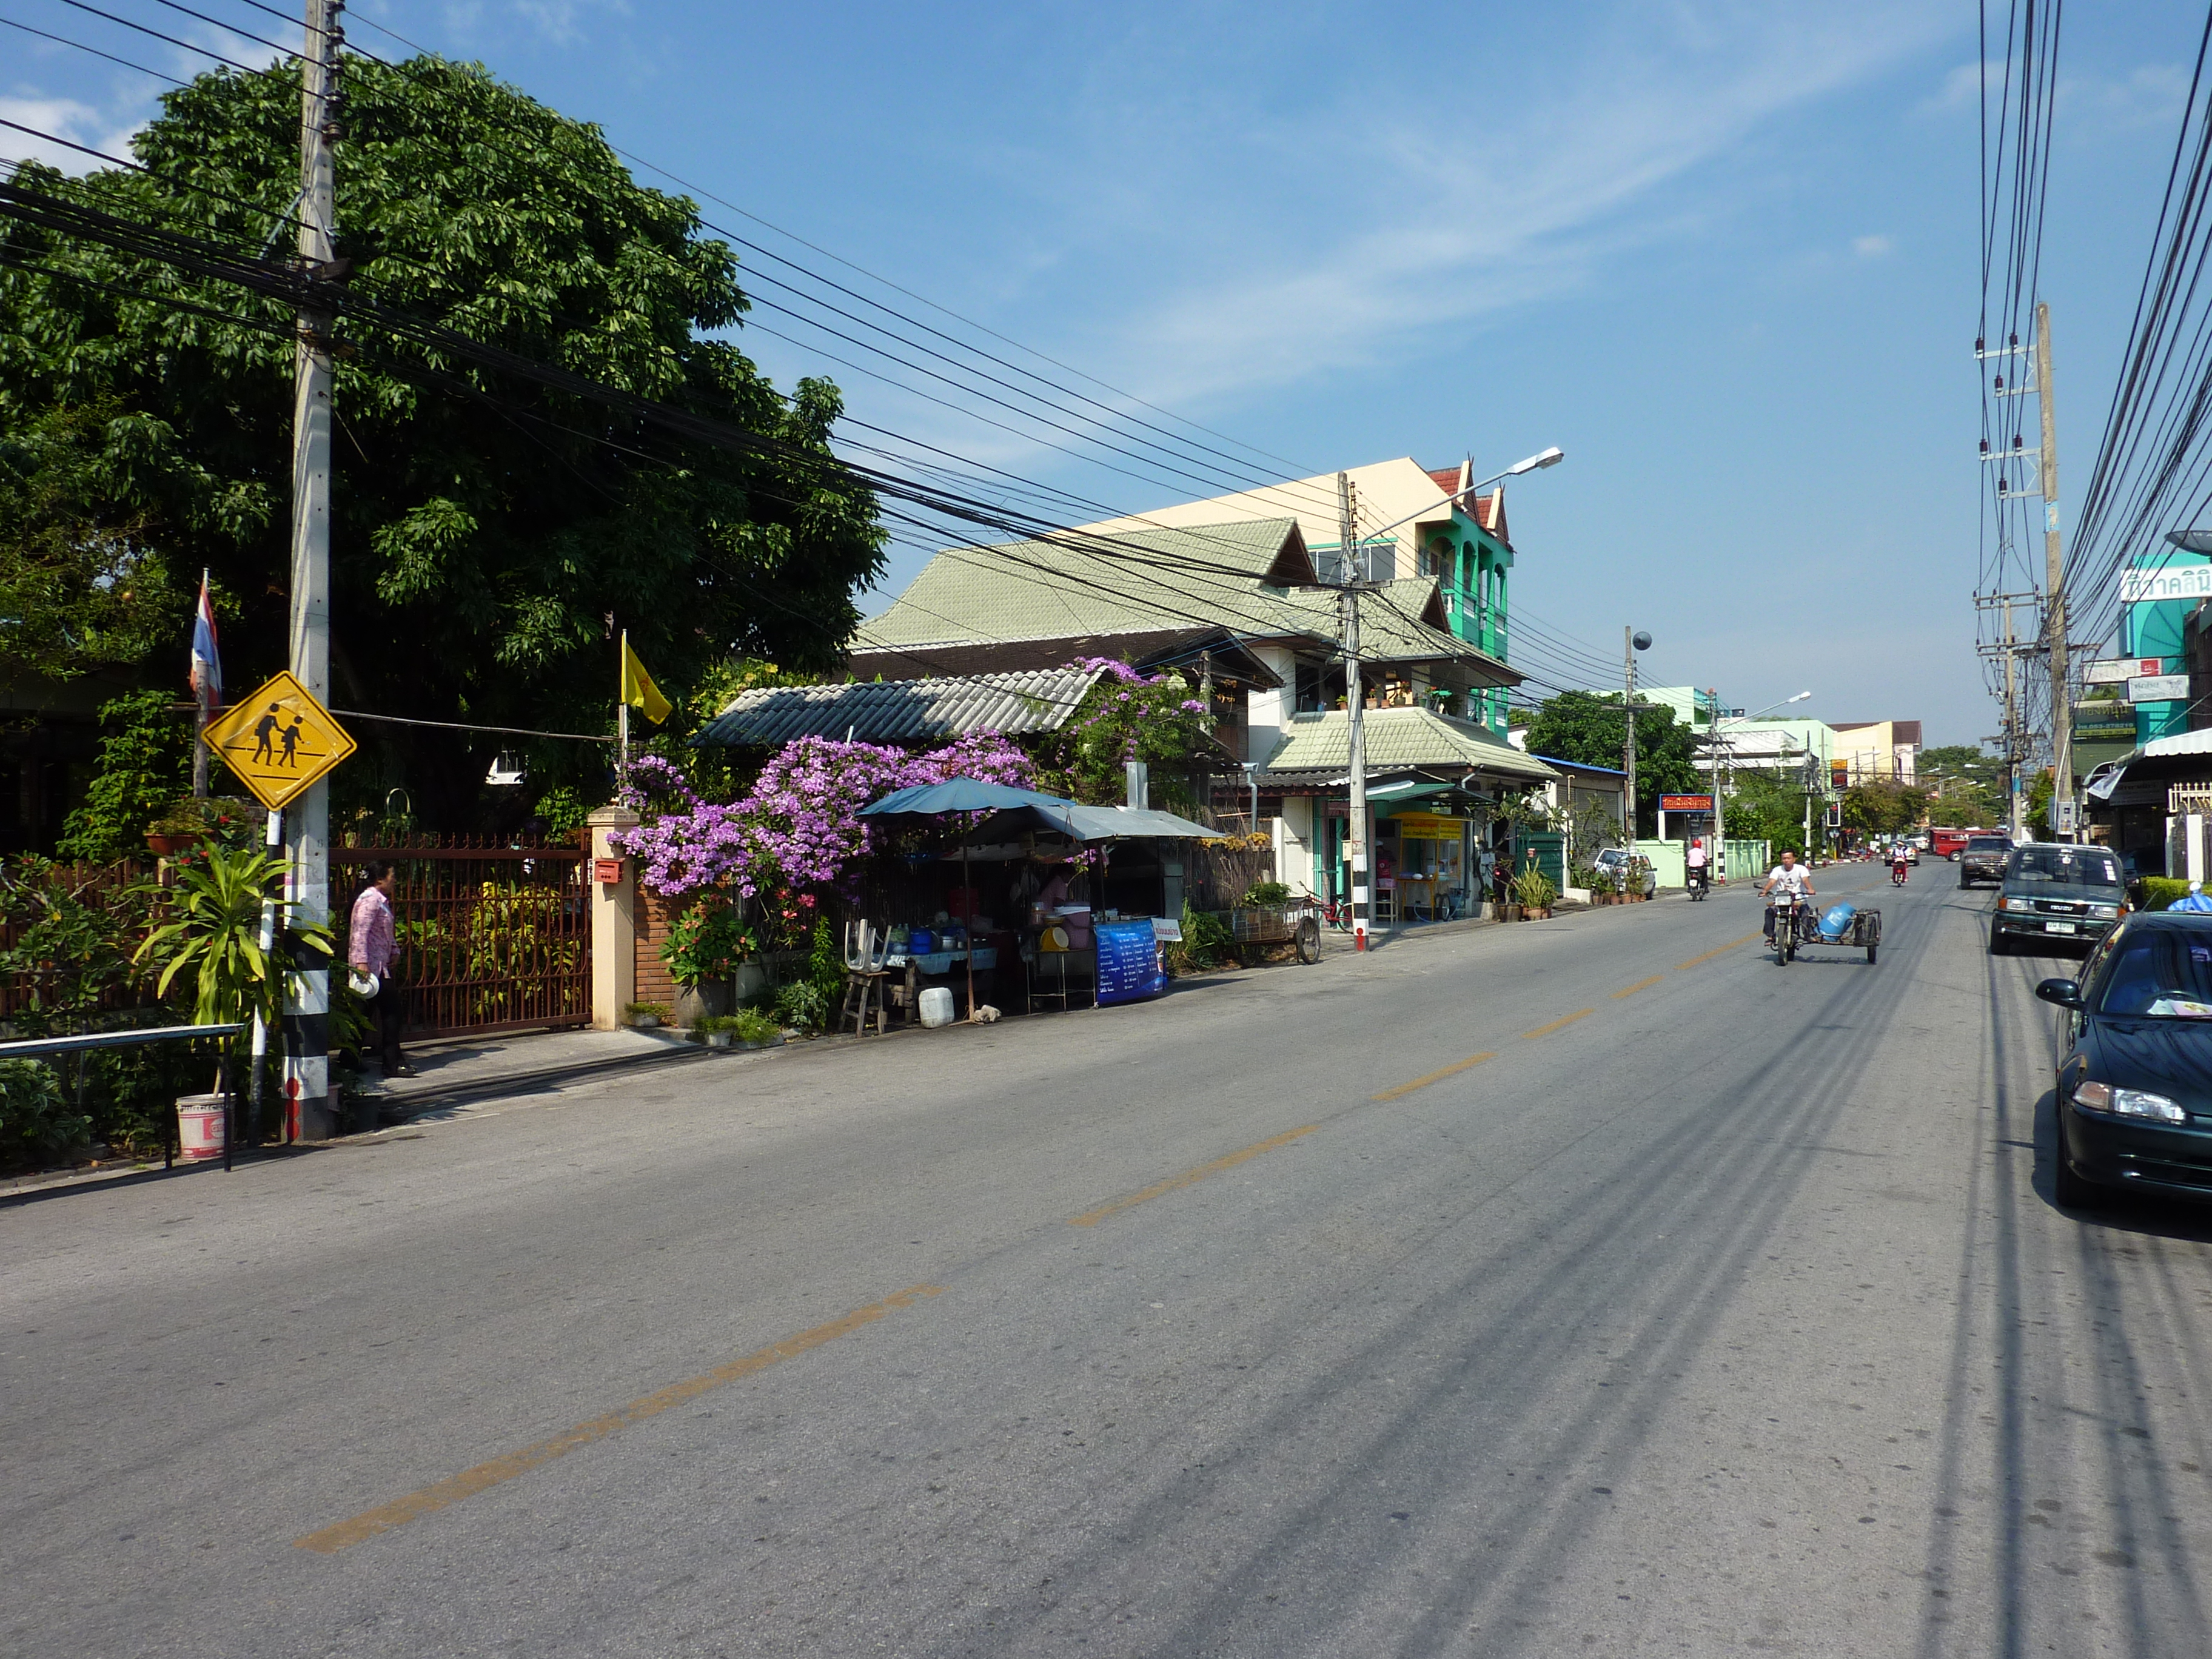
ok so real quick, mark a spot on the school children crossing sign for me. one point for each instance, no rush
(279, 741)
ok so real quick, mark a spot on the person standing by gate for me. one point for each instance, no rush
(373, 952)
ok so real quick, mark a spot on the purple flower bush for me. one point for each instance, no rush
(799, 825)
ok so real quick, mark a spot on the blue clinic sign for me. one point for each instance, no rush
(1128, 962)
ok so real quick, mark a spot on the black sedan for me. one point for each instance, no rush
(2134, 1062)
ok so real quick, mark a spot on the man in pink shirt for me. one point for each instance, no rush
(373, 949)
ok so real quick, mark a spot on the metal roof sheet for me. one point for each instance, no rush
(1400, 738)
(903, 711)
(1253, 578)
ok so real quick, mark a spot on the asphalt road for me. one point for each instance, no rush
(1592, 1286)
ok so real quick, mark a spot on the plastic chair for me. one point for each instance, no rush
(864, 955)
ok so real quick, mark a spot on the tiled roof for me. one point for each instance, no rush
(1253, 578)
(1400, 738)
(903, 711)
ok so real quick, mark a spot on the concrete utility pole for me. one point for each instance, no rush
(2054, 574)
(307, 880)
(2011, 730)
(1628, 748)
(1347, 542)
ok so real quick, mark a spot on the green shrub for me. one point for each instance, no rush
(1206, 942)
(1266, 893)
(752, 1026)
(801, 1005)
(37, 1127)
(707, 943)
(2159, 891)
(635, 1012)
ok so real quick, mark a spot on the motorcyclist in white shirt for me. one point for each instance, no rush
(1789, 876)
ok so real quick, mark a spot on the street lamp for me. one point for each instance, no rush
(1541, 460)
(1720, 799)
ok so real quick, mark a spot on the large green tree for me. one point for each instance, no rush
(1592, 731)
(1969, 785)
(487, 534)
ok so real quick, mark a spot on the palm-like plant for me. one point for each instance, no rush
(214, 933)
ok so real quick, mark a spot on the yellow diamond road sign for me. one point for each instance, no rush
(279, 741)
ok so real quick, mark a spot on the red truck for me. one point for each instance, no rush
(1947, 843)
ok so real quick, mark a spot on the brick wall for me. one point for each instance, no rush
(655, 915)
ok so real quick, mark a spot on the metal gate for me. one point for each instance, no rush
(492, 936)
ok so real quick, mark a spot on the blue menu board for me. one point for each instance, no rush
(1128, 961)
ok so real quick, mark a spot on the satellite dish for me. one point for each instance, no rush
(1641, 641)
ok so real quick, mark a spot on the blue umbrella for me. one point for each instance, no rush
(931, 800)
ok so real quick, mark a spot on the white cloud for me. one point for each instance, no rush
(1448, 223)
(65, 119)
(1871, 247)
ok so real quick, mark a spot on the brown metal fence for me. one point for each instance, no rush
(492, 936)
(95, 884)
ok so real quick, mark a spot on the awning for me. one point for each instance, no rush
(1091, 823)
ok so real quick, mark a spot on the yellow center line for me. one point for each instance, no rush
(1188, 1177)
(1640, 985)
(469, 1482)
(1452, 1070)
(1723, 952)
(1546, 1030)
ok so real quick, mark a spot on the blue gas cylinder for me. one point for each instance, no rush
(1837, 920)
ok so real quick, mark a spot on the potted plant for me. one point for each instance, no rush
(1534, 890)
(704, 946)
(233, 822)
(214, 932)
(646, 1016)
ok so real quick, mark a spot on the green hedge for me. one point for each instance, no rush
(2159, 891)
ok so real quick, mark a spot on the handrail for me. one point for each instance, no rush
(64, 1045)
(24, 1047)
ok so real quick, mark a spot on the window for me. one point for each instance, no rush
(2162, 973)
(2065, 866)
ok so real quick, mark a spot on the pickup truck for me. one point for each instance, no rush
(1984, 858)
(1947, 843)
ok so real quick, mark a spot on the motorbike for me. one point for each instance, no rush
(1896, 872)
(1699, 884)
(1798, 924)
(1785, 906)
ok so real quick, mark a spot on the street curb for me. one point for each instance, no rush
(415, 1105)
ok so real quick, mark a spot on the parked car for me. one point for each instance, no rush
(1984, 858)
(2056, 895)
(1613, 862)
(2134, 1054)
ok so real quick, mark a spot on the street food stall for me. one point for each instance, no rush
(1034, 901)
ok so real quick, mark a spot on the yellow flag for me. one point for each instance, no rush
(637, 687)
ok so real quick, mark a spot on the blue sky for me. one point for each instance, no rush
(1725, 255)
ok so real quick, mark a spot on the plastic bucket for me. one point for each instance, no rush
(200, 1124)
(937, 1007)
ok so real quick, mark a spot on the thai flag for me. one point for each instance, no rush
(207, 659)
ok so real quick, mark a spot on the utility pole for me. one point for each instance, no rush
(2011, 730)
(1347, 542)
(307, 880)
(2013, 735)
(2054, 572)
(1628, 703)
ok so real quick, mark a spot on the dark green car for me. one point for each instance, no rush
(2056, 895)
